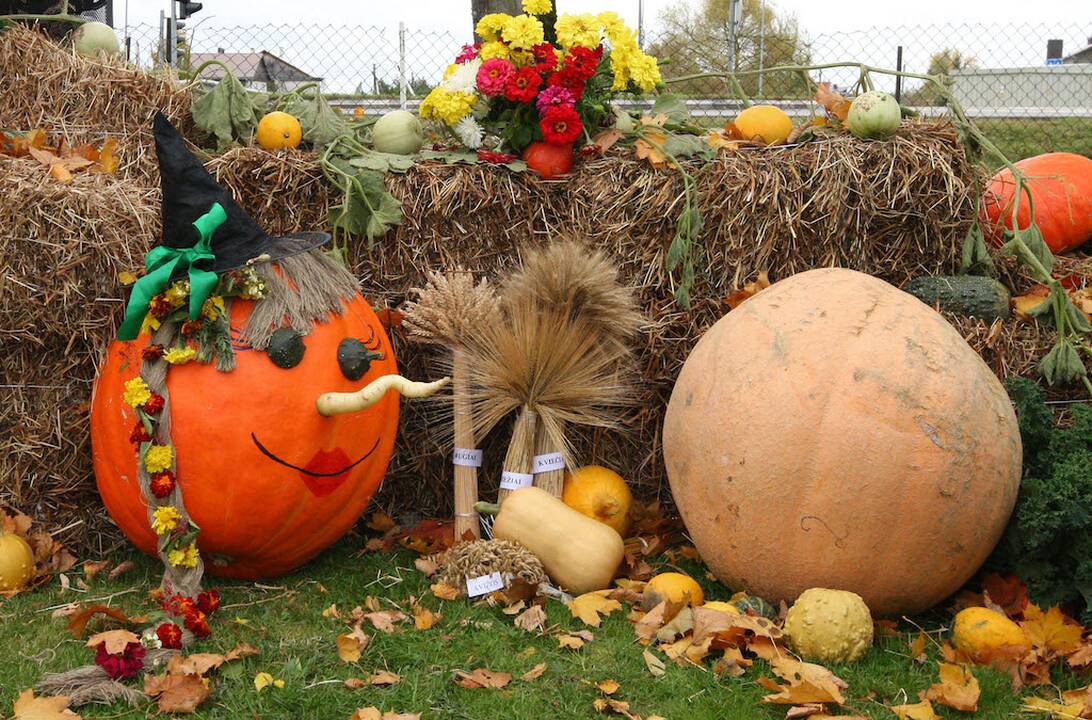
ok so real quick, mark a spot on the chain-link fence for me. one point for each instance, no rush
(1000, 74)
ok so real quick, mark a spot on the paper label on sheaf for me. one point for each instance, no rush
(467, 457)
(515, 480)
(549, 463)
(484, 584)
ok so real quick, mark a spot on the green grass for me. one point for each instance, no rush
(283, 618)
(1019, 139)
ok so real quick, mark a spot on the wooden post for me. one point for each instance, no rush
(466, 477)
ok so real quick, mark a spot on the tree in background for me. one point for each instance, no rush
(481, 8)
(697, 40)
(941, 63)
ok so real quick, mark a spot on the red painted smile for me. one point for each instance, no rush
(324, 472)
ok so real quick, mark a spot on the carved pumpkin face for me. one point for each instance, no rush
(269, 481)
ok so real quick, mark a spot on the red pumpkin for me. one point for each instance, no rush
(1061, 186)
(269, 481)
(549, 160)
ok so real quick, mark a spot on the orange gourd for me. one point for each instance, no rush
(834, 431)
(675, 588)
(549, 160)
(599, 493)
(1061, 187)
(269, 481)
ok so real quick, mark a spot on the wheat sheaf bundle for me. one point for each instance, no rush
(558, 354)
(449, 309)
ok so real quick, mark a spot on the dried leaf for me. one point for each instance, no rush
(444, 591)
(123, 567)
(196, 664)
(384, 620)
(836, 105)
(571, 642)
(28, 707)
(108, 161)
(605, 139)
(77, 621)
(373, 713)
(423, 618)
(351, 645)
(1052, 630)
(264, 680)
(917, 648)
(917, 711)
(654, 664)
(533, 619)
(1072, 704)
(91, 568)
(241, 650)
(427, 566)
(589, 607)
(957, 688)
(380, 522)
(737, 297)
(1007, 591)
(115, 640)
(806, 683)
(534, 673)
(482, 678)
(1035, 296)
(331, 612)
(177, 693)
(383, 677)
(1081, 657)
(608, 687)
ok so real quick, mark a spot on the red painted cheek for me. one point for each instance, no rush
(329, 468)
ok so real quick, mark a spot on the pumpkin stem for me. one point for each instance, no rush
(486, 508)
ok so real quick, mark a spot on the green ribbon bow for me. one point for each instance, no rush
(160, 264)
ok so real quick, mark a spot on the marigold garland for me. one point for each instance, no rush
(136, 392)
(165, 519)
(179, 356)
(183, 557)
(158, 458)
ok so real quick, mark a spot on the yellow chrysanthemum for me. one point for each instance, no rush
(178, 292)
(620, 58)
(493, 49)
(523, 32)
(137, 392)
(446, 106)
(522, 58)
(490, 26)
(149, 325)
(537, 7)
(184, 557)
(213, 307)
(450, 70)
(165, 518)
(158, 458)
(644, 71)
(179, 356)
(583, 30)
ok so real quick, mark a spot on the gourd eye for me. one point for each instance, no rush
(286, 348)
(354, 358)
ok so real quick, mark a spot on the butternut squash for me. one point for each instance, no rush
(580, 554)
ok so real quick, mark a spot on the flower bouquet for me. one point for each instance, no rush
(523, 89)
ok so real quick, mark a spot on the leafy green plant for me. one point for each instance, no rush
(1048, 543)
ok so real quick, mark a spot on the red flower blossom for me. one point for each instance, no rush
(198, 624)
(495, 158)
(170, 635)
(180, 605)
(152, 352)
(153, 404)
(190, 327)
(523, 85)
(583, 61)
(161, 484)
(209, 601)
(569, 78)
(561, 125)
(545, 58)
(127, 664)
(159, 306)
(591, 150)
(140, 434)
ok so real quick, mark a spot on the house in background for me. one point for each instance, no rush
(258, 70)
(1081, 56)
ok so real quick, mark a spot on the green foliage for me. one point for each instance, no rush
(1048, 543)
(227, 111)
(321, 123)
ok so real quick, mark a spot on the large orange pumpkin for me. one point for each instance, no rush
(834, 431)
(1061, 186)
(269, 481)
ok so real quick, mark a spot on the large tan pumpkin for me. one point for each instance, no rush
(833, 431)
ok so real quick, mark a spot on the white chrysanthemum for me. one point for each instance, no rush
(469, 132)
(465, 77)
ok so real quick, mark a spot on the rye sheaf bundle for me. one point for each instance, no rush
(449, 308)
(557, 355)
(466, 561)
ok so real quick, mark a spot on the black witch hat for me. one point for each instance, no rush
(188, 193)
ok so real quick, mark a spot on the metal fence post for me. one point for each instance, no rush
(402, 64)
(898, 78)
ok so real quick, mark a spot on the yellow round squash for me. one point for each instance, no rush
(278, 130)
(674, 587)
(986, 635)
(599, 493)
(722, 606)
(16, 562)
(829, 626)
(764, 122)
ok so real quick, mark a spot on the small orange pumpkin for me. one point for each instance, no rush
(675, 588)
(599, 493)
(549, 160)
(269, 481)
(1061, 187)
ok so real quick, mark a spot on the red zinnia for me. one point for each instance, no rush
(153, 404)
(152, 352)
(545, 58)
(583, 61)
(495, 158)
(209, 601)
(198, 624)
(569, 78)
(561, 125)
(126, 664)
(140, 434)
(170, 635)
(523, 85)
(161, 484)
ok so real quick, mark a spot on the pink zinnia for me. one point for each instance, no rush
(554, 96)
(493, 76)
(469, 53)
